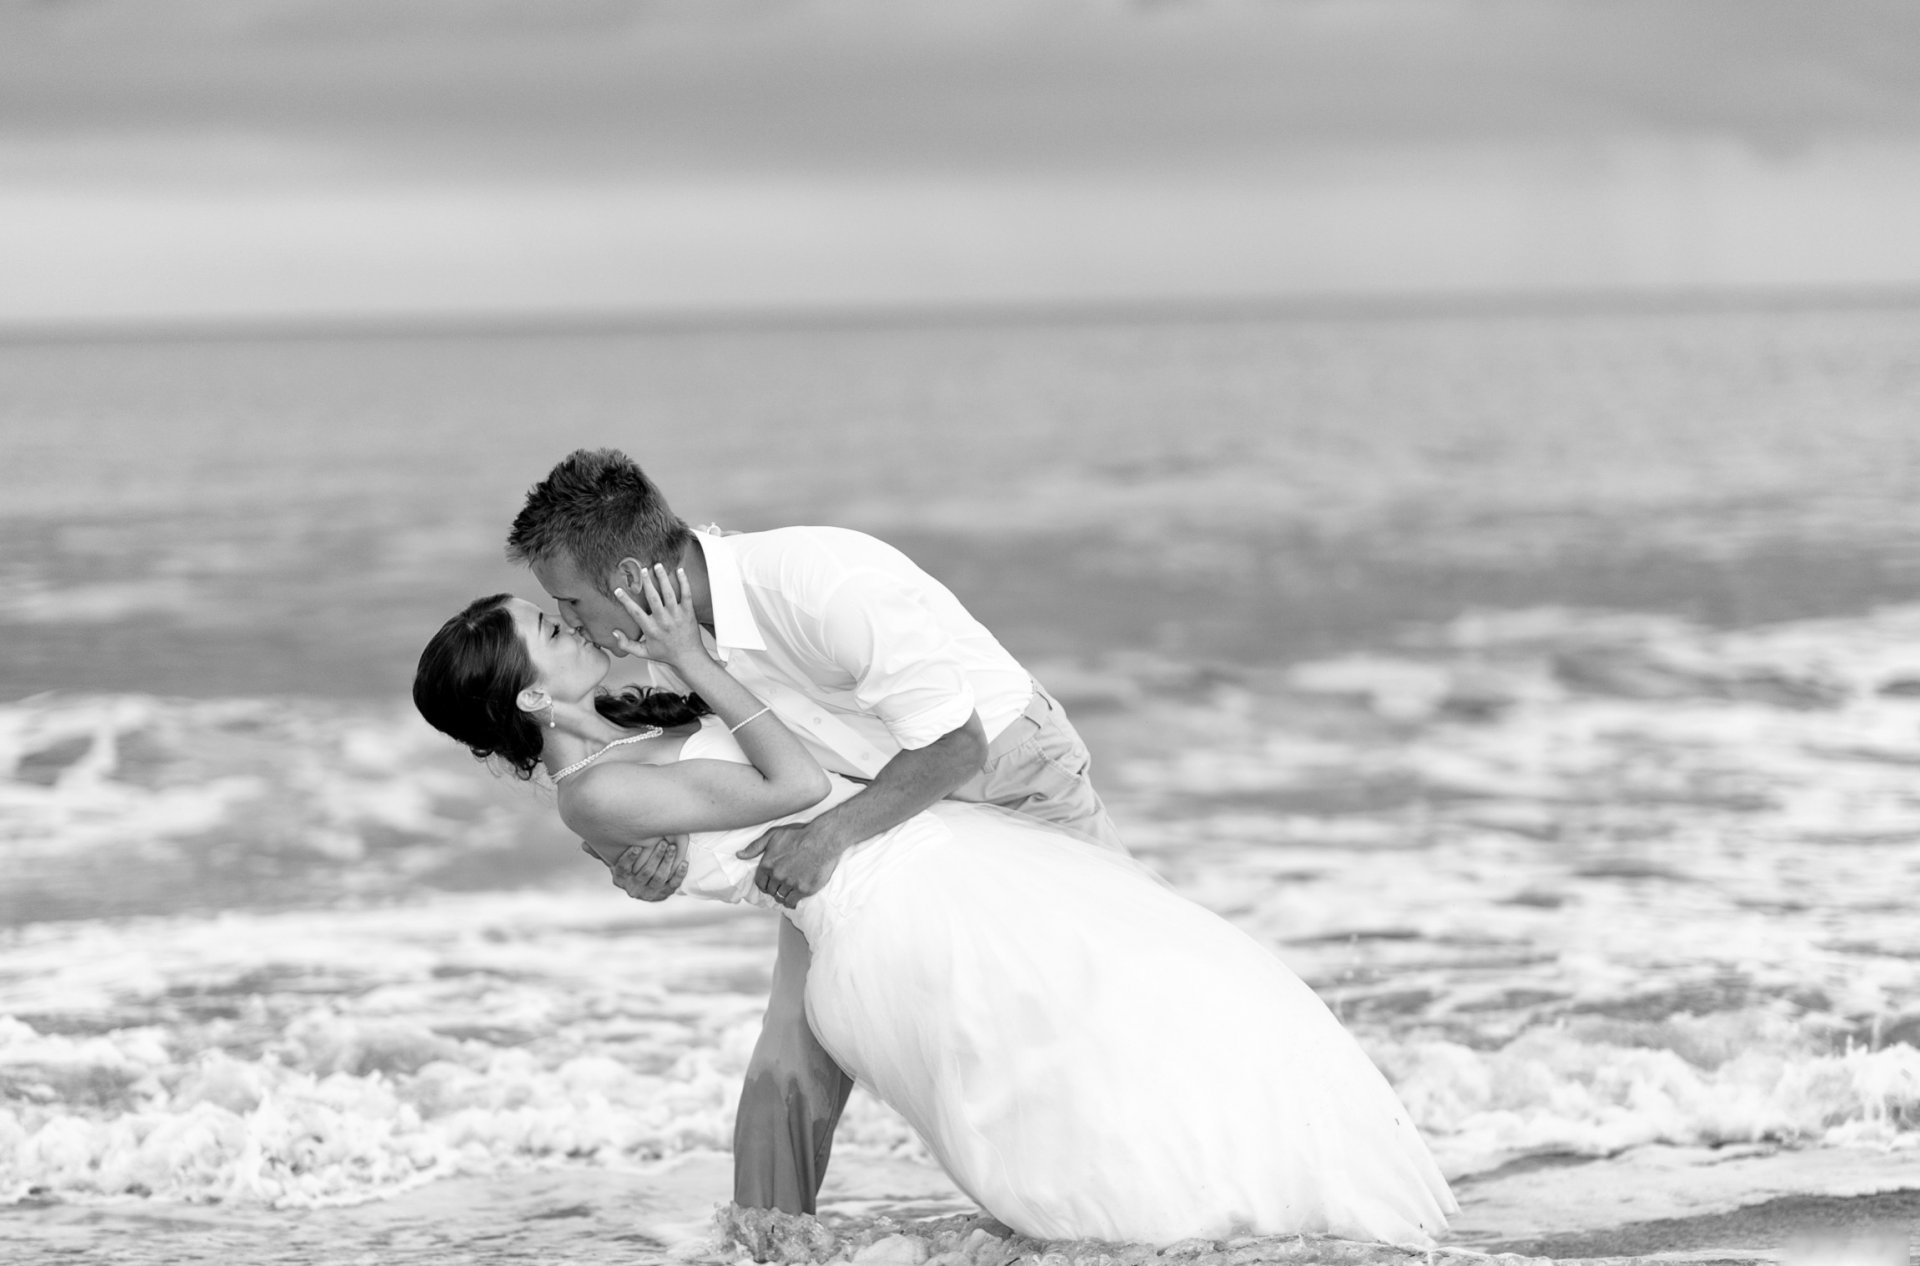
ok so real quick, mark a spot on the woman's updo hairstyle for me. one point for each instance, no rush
(637, 707)
(470, 677)
(469, 681)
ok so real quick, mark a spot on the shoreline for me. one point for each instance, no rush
(666, 1213)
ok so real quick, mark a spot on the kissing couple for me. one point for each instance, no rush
(831, 735)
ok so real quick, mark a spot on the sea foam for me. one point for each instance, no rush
(1578, 883)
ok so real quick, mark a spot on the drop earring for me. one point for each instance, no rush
(551, 723)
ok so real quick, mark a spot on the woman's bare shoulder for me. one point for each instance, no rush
(607, 793)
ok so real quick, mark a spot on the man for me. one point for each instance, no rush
(880, 671)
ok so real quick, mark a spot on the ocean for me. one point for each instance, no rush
(1542, 685)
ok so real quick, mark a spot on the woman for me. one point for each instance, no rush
(1088, 1054)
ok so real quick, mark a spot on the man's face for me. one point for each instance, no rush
(582, 605)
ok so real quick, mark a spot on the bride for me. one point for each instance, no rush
(1087, 1054)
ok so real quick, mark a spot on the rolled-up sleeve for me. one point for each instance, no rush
(906, 668)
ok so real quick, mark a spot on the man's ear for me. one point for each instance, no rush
(533, 699)
(627, 575)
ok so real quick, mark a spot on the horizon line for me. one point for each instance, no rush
(1330, 305)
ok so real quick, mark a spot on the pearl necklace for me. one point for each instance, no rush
(651, 732)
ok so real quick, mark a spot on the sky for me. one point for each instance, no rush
(295, 160)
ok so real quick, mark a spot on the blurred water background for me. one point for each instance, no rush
(1457, 459)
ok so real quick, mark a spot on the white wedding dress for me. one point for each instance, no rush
(1088, 1054)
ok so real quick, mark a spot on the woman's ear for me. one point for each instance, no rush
(533, 699)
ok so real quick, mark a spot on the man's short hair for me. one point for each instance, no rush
(597, 507)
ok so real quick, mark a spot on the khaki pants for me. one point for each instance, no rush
(1038, 766)
(794, 1092)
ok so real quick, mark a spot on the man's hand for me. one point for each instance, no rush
(651, 871)
(796, 861)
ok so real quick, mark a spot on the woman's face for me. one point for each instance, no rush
(565, 664)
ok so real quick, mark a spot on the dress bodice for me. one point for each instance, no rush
(714, 872)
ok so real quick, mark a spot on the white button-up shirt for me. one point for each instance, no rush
(860, 652)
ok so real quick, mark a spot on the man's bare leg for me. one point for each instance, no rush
(792, 1100)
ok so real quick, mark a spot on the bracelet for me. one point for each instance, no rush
(734, 729)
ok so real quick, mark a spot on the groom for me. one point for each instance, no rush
(877, 668)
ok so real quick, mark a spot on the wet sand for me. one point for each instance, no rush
(1792, 1228)
(1665, 1202)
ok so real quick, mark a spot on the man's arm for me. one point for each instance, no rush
(797, 860)
(878, 629)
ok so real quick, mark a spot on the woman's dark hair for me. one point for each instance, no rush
(637, 707)
(468, 683)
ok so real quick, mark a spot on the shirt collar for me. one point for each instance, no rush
(734, 627)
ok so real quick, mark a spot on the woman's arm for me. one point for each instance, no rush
(618, 800)
(623, 802)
